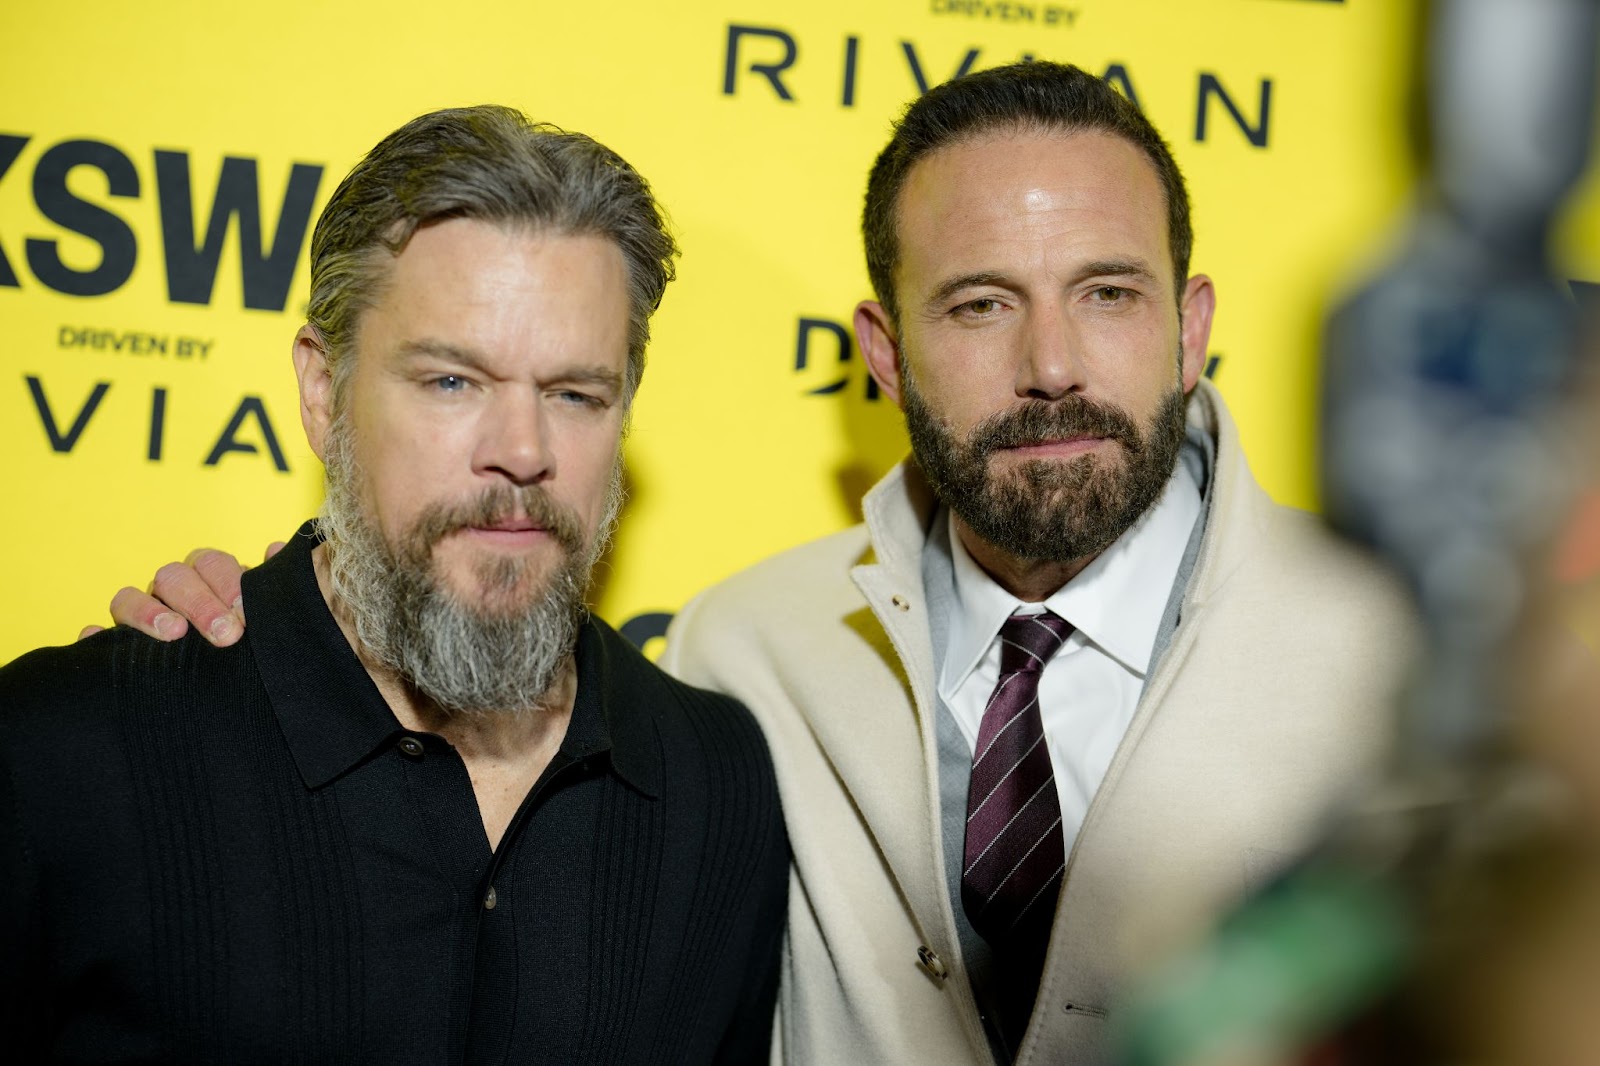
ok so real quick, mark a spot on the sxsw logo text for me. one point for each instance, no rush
(191, 253)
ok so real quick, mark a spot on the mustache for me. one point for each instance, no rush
(501, 503)
(1037, 421)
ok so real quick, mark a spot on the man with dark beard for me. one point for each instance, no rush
(1077, 685)
(427, 810)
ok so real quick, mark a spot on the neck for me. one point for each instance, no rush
(494, 735)
(1029, 580)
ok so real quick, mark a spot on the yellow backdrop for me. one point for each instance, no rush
(160, 166)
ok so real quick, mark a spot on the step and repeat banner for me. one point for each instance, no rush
(160, 173)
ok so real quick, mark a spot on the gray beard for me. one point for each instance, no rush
(503, 655)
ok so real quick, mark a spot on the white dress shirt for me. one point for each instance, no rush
(1089, 690)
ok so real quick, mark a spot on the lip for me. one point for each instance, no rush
(512, 525)
(1061, 448)
(509, 534)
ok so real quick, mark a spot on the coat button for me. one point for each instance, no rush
(489, 899)
(901, 602)
(932, 964)
(411, 746)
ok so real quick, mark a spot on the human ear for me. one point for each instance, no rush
(875, 335)
(1194, 334)
(316, 386)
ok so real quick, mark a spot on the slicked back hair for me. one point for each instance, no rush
(1030, 97)
(492, 164)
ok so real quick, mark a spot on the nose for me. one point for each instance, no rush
(513, 438)
(1051, 364)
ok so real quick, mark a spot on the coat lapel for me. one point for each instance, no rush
(884, 749)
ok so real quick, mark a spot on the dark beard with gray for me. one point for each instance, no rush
(1047, 510)
(503, 655)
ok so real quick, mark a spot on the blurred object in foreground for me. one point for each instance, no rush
(1449, 442)
(1430, 925)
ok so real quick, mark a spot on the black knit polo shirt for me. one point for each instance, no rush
(237, 855)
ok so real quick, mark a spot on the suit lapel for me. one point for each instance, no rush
(886, 750)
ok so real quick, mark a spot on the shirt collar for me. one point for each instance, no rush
(617, 687)
(1116, 602)
(333, 717)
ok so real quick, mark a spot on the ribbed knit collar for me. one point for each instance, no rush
(333, 716)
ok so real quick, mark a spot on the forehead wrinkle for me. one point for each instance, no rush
(1047, 213)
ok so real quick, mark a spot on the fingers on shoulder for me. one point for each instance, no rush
(140, 610)
(220, 571)
(181, 588)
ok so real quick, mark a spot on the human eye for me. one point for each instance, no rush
(982, 307)
(577, 398)
(447, 383)
(1110, 294)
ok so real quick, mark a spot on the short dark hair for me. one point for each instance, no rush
(1028, 96)
(489, 163)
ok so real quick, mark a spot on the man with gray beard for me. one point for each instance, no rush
(406, 621)
(428, 809)
(1077, 685)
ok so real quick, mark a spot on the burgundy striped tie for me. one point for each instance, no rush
(1015, 854)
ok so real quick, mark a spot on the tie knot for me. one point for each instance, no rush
(1027, 641)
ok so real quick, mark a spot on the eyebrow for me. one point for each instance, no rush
(475, 360)
(591, 375)
(951, 286)
(1119, 268)
(1100, 268)
(431, 349)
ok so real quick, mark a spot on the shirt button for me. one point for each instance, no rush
(489, 900)
(411, 746)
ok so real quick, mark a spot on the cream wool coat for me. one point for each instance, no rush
(1271, 704)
